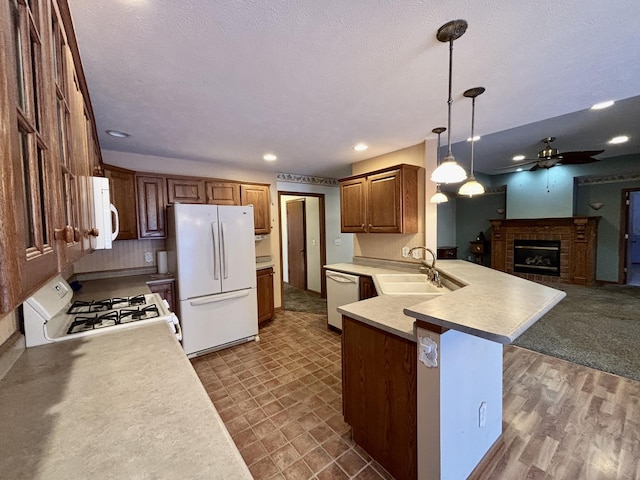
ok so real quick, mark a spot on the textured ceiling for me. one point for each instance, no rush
(227, 81)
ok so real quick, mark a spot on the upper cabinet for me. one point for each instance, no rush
(384, 201)
(122, 187)
(220, 192)
(48, 147)
(185, 190)
(151, 206)
(258, 196)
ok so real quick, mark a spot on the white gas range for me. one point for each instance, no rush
(50, 315)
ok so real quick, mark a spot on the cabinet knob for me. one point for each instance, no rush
(94, 232)
(65, 234)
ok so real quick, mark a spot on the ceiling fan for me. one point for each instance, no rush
(550, 157)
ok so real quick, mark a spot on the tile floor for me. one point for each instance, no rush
(280, 398)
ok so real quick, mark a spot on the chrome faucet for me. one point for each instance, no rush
(432, 273)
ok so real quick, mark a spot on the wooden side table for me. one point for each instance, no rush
(478, 249)
(447, 253)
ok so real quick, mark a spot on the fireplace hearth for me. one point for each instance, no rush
(536, 256)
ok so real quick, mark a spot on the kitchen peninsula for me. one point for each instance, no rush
(424, 372)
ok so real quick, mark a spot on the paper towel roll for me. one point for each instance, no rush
(162, 262)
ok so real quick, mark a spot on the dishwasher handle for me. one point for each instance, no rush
(342, 278)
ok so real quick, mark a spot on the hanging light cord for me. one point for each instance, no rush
(473, 113)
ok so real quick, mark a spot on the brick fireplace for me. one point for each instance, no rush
(576, 237)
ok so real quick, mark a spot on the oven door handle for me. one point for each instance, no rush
(173, 320)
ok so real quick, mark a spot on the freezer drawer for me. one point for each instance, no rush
(341, 290)
(213, 321)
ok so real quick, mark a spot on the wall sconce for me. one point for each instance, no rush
(596, 205)
(500, 211)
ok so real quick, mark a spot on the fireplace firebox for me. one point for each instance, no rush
(537, 256)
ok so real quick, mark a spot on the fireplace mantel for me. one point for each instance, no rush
(577, 236)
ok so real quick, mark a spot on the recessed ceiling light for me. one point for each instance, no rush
(620, 139)
(475, 139)
(517, 158)
(518, 170)
(118, 133)
(269, 157)
(360, 147)
(601, 105)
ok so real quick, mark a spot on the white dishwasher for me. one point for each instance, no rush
(342, 289)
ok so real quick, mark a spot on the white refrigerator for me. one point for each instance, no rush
(211, 250)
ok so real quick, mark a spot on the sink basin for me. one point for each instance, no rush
(407, 284)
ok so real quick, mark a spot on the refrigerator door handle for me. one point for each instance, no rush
(219, 297)
(216, 267)
(223, 246)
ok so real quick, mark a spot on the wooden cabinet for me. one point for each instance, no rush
(258, 196)
(384, 201)
(223, 193)
(167, 291)
(264, 278)
(185, 190)
(48, 148)
(122, 187)
(450, 253)
(367, 288)
(151, 207)
(379, 394)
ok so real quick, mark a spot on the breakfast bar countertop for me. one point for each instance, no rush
(126, 404)
(491, 304)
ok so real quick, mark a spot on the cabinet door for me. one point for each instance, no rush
(185, 190)
(367, 288)
(151, 207)
(258, 196)
(353, 201)
(264, 280)
(166, 291)
(384, 202)
(122, 187)
(223, 193)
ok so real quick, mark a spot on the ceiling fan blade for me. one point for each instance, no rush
(583, 153)
(576, 160)
(519, 165)
(534, 168)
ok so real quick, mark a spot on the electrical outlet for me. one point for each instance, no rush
(482, 415)
(148, 257)
(405, 252)
(417, 254)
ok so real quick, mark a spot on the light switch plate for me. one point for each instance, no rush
(405, 252)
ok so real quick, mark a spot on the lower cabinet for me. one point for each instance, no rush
(167, 291)
(264, 280)
(379, 378)
(367, 288)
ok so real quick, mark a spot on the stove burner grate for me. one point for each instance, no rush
(91, 306)
(133, 314)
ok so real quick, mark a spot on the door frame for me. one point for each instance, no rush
(323, 238)
(624, 229)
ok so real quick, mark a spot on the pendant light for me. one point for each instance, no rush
(472, 186)
(438, 197)
(449, 171)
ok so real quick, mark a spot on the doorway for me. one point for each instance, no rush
(302, 247)
(631, 237)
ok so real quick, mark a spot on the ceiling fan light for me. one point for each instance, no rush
(448, 172)
(471, 187)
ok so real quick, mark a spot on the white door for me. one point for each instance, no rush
(237, 248)
(212, 321)
(197, 250)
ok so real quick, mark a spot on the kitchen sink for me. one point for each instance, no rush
(407, 284)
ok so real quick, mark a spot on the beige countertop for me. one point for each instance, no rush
(491, 305)
(118, 286)
(120, 405)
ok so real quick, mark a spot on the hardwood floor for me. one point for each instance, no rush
(565, 421)
(282, 395)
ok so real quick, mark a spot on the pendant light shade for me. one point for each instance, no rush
(472, 186)
(438, 197)
(449, 171)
